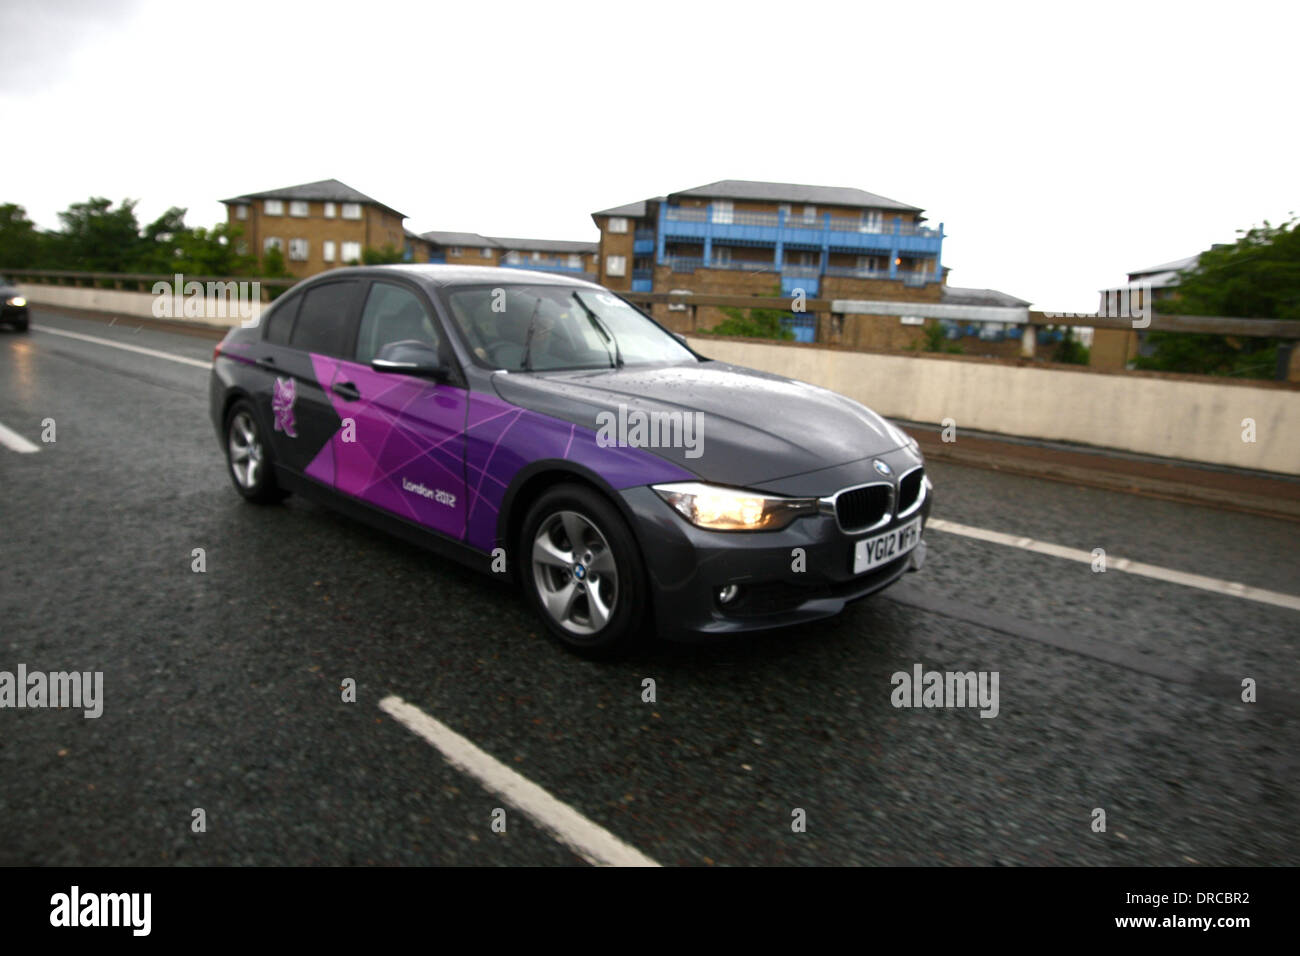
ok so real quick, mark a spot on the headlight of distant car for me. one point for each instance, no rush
(17, 301)
(731, 509)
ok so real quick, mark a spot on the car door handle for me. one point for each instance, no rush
(346, 391)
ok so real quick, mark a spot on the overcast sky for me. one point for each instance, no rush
(1061, 146)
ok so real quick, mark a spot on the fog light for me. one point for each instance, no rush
(728, 594)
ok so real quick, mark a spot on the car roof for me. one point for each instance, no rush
(445, 276)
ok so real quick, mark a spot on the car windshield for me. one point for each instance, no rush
(553, 327)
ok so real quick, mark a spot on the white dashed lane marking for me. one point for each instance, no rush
(16, 442)
(1217, 585)
(590, 841)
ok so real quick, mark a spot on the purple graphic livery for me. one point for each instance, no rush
(462, 408)
(282, 406)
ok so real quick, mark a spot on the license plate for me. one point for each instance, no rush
(872, 552)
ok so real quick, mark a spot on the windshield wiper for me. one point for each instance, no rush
(528, 339)
(617, 358)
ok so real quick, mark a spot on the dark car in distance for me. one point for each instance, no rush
(543, 427)
(13, 307)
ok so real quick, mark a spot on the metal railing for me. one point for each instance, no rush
(775, 220)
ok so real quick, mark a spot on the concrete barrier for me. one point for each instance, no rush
(1190, 418)
(135, 304)
(1184, 417)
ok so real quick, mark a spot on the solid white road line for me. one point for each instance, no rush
(139, 350)
(16, 442)
(1217, 585)
(593, 843)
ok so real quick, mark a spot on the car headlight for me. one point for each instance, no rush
(732, 509)
(17, 301)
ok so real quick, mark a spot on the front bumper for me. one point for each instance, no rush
(13, 314)
(688, 565)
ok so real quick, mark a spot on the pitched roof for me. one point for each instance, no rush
(633, 210)
(1165, 274)
(954, 295)
(793, 193)
(471, 239)
(326, 190)
(545, 245)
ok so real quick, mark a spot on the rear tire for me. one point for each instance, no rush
(583, 572)
(248, 457)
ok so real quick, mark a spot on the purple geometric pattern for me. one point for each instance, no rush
(410, 428)
(406, 428)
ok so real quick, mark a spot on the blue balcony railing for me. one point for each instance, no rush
(865, 235)
(909, 277)
(545, 264)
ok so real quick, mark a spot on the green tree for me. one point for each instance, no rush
(756, 323)
(1070, 351)
(386, 256)
(213, 252)
(20, 243)
(934, 338)
(273, 266)
(1256, 277)
(97, 237)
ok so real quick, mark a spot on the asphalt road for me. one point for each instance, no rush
(221, 689)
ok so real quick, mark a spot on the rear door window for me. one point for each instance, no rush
(324, 319)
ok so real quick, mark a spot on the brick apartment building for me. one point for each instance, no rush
(578, 259)
(737, 237)
(316, 226)
(732, 237)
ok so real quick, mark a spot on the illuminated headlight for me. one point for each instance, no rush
(732, 509)
(17, 301)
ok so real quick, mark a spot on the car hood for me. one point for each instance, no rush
(737, 426)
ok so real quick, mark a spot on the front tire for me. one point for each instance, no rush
(583, 572)
(248, 459)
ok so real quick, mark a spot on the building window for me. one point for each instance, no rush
(537, 256)
(724, 211)
(298, 249)
(513, 258)
(455, 251)
(273, 207)
(871, 220)
(352, 210)
(809, 213)
(485, 253)
(241, 247)
(331, 210)
(351, 250)
(327, 250)
(272, 242)
(299, 208)
(241, 211)
(575, 262)
(617, 224)
(616, 265)
(868, 263)
(722, 255)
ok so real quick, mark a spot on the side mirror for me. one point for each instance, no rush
(411, 357)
